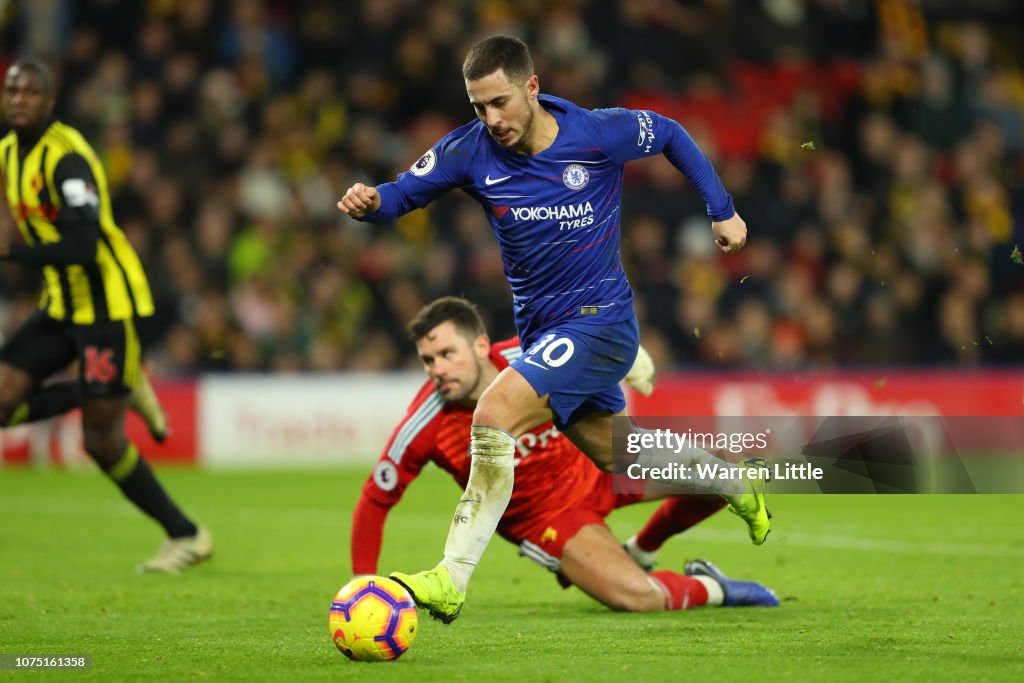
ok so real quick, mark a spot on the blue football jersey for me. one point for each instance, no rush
(556, 214)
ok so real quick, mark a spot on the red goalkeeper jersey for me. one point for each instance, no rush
(551, 475)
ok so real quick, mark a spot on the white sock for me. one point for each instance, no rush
(482, 505)
(715, 594)
(644, 558)
(691, 456)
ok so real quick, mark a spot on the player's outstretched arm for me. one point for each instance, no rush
(360, 200)
(368, 520)
(618, 131)
(730, 234)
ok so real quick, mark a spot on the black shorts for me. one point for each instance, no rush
(108, 353)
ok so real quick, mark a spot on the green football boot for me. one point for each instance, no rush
(434, 591)
(750, 506)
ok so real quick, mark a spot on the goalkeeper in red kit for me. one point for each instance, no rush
(559, 502)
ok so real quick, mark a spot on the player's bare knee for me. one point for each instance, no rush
(629, 591)
(635, 597)
(618, 603)
(98, 441)
(499, 414)
(102, 443)
(485, 416)
(627, 603)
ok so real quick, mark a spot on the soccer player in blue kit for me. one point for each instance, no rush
(549, 176)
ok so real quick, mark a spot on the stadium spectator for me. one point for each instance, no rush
(757, 81)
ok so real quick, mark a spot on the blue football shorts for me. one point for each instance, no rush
(579, 366)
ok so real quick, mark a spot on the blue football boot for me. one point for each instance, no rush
(737, 593)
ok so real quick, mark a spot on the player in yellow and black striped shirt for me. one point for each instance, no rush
(95, 290)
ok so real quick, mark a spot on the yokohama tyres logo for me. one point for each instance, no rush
(551, 213)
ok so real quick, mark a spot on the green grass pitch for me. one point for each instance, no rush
(909, 588)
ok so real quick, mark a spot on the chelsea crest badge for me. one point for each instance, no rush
(575, 177)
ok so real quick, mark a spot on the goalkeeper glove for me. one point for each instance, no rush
(641, 375)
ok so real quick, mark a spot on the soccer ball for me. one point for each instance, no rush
(373, 619)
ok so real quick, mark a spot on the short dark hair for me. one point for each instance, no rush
(40, 67)
(499, 52)
(448, 308)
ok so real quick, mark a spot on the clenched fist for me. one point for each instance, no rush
(730, 234)
(359, 200)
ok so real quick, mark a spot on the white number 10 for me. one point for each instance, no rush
(557, 352)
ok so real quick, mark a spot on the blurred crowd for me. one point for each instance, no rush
(875, 149)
